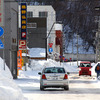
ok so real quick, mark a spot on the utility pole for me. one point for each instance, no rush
(77, 49)
(97, 9)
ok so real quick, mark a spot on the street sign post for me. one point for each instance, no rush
(50, 44)
(1, 45)
(50, 50)
(1, 31)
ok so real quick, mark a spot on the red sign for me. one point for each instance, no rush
(1, 12)
(63, 58)
(50, 44)
(23, 34)
(22, 44)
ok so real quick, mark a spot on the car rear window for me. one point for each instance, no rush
(54, 70)
(85, 65)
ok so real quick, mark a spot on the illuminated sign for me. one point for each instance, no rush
(23, 21)
(22, 44)
(1, 12)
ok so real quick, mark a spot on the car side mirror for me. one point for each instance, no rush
(39, 73)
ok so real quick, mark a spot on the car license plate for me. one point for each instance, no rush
(55, 78)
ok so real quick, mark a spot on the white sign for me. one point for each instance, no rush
(1, 12)
(58, 27)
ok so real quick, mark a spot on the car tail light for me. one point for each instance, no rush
(43, 76)
(66, 76)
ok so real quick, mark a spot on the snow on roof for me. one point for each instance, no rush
(37, 52)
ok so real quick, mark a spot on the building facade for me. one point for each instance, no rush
(46, 17)
(9, 53)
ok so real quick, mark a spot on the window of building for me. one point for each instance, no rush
(31, 25)
(13, 40)
(29, 14)
(43, 14)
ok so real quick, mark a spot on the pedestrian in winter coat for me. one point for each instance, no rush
(97, 69)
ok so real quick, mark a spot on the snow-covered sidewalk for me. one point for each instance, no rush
(9, 90)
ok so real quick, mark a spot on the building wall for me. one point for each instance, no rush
(81, 57)
(36, 36)
(10, 35)
(51, 19)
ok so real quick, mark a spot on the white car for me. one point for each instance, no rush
(54, 77)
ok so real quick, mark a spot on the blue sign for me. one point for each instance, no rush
(1, 31)
(1, 45)
(50, 50)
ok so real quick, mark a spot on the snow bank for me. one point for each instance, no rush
(93, 69)
(39, 65)
(5, 72)
(37, 52)
(69, 66)
(8, 89)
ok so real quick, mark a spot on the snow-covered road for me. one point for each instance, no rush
(81, 88)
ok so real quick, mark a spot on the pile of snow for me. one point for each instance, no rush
(37, 52)
(93, 69)
(69, 66)
(8, 89)
(39, 65)
(4, 70)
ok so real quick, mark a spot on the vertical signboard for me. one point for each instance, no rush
(19, 60)
(23, 21)
(22, 44)
(1, 12)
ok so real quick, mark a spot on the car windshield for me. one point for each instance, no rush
(85, 65)
(54, 70)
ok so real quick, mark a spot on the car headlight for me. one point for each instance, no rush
(79, 69)
(90, 69)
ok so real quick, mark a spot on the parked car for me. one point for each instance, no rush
(54, 77)
(85, 68)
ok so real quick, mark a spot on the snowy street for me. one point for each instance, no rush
(27, 86)
(81, 88)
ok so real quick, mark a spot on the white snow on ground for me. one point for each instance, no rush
(8, 88)
(38, 65)
(10, 91)
(37, 52)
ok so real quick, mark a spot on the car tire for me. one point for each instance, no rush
(66, 87)
(41, 88)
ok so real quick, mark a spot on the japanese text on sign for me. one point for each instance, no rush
(23, 21)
